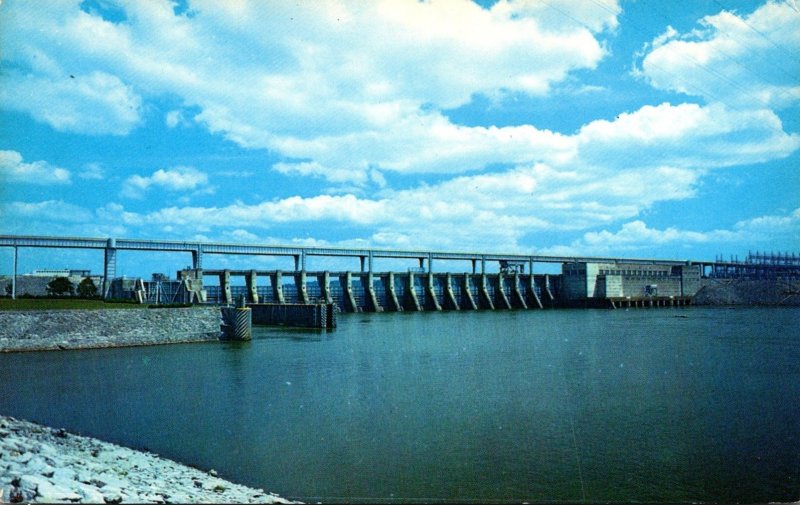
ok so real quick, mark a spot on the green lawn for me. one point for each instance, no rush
(65, 303)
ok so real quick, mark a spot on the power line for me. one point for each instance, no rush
(759, 32)
(744, 91)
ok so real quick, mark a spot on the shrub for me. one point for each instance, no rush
(87, 289)
(60, 286)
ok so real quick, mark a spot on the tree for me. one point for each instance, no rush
(60, 286)
(87, 289)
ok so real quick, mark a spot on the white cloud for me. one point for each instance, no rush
(338, 87)
(172, 179)
(48, 210)
(13, 169)
(686, 135)
(769, 232)
(96, 103)
(494, 211)
(742, 60)
(263, 75)
(175, 118)
(92, 171)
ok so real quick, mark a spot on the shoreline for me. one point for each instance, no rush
(73, 329)
(49, 346)
(43, 464)
(60, 329)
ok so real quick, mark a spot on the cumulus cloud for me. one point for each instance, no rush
(48, 210)
(96, 103)
(337, 89)
(337, 83)
(177, 179)
(13, 169)
(92, 171)
(744, 60)
(494, 210)
(175, 118)
(770, 231)
(686, 135)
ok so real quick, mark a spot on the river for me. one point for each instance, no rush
(672, 404)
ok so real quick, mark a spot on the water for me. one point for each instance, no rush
(641, 405)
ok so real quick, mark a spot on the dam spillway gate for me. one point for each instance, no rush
(380, 291)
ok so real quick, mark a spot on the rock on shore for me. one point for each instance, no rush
(39, 330)
(41, 464)
(782, 292)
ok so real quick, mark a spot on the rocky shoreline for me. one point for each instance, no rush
(41, 464)
(42, 330)
(749, 292)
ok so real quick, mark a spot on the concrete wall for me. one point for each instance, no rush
(76, 329)
(599, 280)
(574, 282)
(400, 291)
(291, 314)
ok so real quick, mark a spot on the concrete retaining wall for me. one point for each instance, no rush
(78, 329)
(318, 315)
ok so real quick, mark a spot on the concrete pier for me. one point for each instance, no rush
(519, 300)
(394, 304)
(450, 298)
(300, 283)
(237, 323)
(277, 286)
(370, 289)
(485, 298)
(533, 296)
(430, 291)
(412, 302)
(466, 292)
(551, 299)
(109, 266)
(324, 281)
(500, 293)
(225, 286)
(348, 293)
(251, 280)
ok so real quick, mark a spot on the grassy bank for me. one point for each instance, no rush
(61, 303)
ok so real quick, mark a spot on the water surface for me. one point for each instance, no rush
(670, 405)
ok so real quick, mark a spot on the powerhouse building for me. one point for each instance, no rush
(586, 281)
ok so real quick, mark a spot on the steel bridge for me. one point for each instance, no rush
(197, 249)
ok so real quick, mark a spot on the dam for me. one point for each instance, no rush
(583, 281)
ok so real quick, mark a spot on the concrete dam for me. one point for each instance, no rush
(379, 291)
(583, 281)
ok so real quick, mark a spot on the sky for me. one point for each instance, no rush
(626, 128)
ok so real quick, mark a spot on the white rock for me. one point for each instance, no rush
(23, 458)
(37, 464)
(89, 493)
(84, 476)
(63, 474)
(32, 482)
(50, 493)
(157, 498)
(111, 493)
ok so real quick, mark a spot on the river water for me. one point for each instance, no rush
(690, 404)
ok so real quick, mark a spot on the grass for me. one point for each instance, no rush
(61, 303)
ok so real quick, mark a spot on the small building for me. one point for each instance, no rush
(62, 272)
(587, 281)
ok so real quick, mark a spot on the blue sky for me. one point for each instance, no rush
(592, 127)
